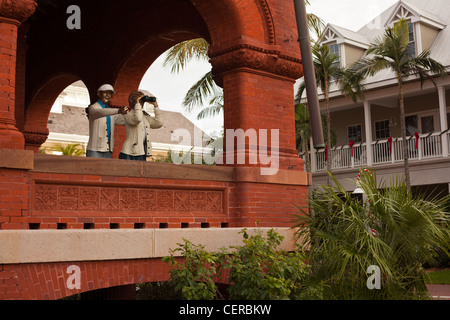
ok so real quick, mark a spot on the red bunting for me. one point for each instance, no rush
(351, 143)
(417, 139)
(390, 144)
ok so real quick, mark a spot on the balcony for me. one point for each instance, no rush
(382, 152)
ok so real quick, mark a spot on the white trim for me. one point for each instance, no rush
(64, 137)
(418, 38)
(343, 60)
(368, 129)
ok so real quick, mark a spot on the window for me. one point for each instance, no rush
(354, 133)
(448, 120)
(411, 49)
(382, 130)
(427, 124)
(334, 49)
(412, 125)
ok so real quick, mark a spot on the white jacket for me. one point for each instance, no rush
(98, 134)
(134, 122)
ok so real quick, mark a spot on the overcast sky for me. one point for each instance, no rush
(170, 89)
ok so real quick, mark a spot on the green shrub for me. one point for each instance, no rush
(338, 231)
(256, 270)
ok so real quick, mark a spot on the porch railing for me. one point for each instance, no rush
(425, 146)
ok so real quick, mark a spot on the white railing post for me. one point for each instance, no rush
(393, 148)
(419, 148)
(312, 154)
(443, 121)
(368, 127)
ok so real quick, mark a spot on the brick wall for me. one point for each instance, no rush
(48, 281)
(82, 193)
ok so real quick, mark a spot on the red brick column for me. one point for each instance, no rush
(12, 14)
(258, 89)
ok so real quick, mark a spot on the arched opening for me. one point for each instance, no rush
(36, 118)
(68, 124)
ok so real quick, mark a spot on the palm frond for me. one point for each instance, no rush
(198, 93)
(182, 53)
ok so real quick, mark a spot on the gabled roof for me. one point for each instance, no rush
(343, 35)
(404, 9)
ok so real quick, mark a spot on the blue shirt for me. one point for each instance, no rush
(108, 119)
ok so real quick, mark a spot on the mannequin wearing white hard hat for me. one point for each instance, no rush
(101, 123)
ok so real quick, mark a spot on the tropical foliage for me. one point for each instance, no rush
(391, 229)
(74, 150)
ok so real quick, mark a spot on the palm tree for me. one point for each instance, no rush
(328, 70)
(391, 229)
(205, 88)
(177, 58)
(390, 51)
(303, 128)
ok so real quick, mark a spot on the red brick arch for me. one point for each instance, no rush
(27, 281)
(229, 25)
(36, 131)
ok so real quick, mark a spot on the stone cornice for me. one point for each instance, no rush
(257, 58)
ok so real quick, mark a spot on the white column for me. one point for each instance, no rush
(443, 118)
(368, 127)
(313, 156)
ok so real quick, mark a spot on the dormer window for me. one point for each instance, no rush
(348, 45)
(423, 26)
(411, 49)
(334, 49)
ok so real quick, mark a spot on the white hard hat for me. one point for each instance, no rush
(106, 87)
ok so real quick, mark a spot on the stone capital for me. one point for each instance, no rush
(16, 11)
(260, 59)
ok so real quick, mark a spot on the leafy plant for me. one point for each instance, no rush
(256, 270)
(70, 150)
(194, 277)
(390, 228)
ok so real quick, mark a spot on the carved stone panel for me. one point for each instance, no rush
(45, 197)
(49, 197)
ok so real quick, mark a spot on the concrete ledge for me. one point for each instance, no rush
(160, 170)
(16, 159)
(40, 246)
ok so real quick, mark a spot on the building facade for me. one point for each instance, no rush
(368, 132)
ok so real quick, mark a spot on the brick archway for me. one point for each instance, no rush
(240, 34)
(256, 59)
(26, 280)
(35, 130)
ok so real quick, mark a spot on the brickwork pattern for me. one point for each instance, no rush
(49, 281)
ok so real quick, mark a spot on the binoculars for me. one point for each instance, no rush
(148, 99)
